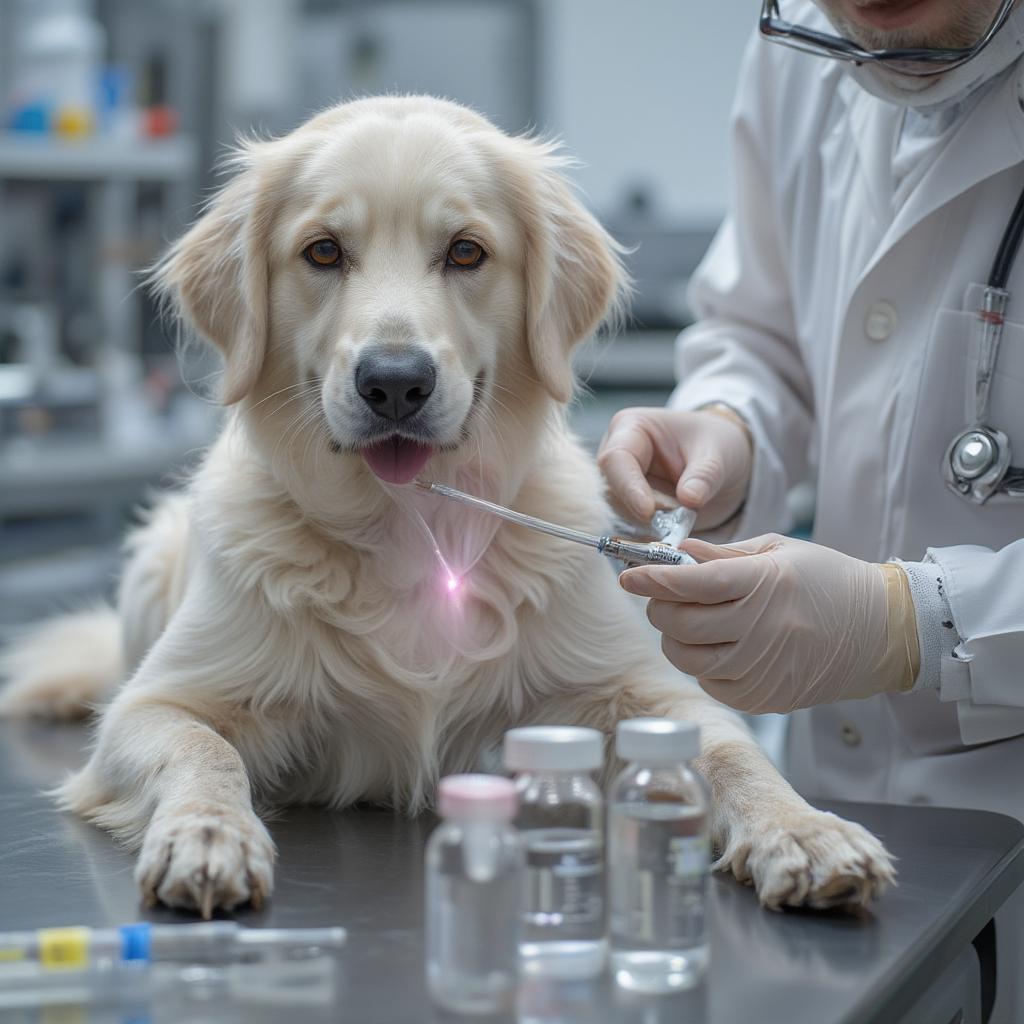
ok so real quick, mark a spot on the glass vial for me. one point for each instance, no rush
(474, 882)
(561, 826)
(658, 857)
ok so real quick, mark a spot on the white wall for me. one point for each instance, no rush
(641, 90)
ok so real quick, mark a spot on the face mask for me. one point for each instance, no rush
(936, 90)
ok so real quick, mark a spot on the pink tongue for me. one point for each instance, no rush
(397, 461)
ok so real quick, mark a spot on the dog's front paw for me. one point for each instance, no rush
(203, 857)
(809, 858)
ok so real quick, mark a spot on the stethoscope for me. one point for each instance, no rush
(977, 462)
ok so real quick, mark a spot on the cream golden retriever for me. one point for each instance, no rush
(396, 288)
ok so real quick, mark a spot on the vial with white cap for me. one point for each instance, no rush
(658, 857)
(560, 822)
(474, 882)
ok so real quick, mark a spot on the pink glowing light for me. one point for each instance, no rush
(453, 583)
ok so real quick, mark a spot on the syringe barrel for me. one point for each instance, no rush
(207, 942)
(204, 942)
(645, 554)
(289, 941)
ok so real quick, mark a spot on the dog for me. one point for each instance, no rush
(396, 288)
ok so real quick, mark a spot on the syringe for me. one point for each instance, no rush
(208, 942)
(678, 524)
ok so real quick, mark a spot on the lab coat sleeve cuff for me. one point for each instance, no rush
(936, 634)
(983, 588)
(982, 672)
(764, 509)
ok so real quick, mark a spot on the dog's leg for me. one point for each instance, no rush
(763, 831)
(163, 778)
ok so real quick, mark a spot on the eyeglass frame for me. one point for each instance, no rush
(807, 40)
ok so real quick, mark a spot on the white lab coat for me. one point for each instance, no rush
(843, 336)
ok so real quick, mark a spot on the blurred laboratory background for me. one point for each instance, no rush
(112, 116)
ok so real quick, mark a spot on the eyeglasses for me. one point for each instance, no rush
(918, 62)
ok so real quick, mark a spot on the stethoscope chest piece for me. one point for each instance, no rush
(976, 462)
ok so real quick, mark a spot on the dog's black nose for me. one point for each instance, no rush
(395, 384)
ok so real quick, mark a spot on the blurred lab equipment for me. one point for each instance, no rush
(140, 962)
(178, 988)
(60, 47)
(62, 949)
(92, 408)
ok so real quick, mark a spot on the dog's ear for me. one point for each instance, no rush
(216, 277)
(574, 276)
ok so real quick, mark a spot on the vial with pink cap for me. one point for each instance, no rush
(474, 885)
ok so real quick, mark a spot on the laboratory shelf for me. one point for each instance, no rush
(27, 157)
(76, 576)
(38, 477)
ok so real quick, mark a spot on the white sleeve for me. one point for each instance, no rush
(979, 662)
(742, 349)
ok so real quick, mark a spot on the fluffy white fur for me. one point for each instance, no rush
(284, 630)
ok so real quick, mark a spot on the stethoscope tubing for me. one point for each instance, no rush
(1009, 245)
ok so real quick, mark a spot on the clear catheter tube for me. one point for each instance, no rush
(624, 550)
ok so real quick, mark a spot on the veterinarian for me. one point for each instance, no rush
(844, 321)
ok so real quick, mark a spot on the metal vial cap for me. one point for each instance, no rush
(657, 739)
(553, 748)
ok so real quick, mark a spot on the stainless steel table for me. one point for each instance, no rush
(362, 869)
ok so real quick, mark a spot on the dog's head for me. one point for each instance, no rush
(393, 280)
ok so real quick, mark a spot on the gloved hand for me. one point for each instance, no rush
(774, 624)
(699, 459)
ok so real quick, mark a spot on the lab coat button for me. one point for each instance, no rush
(851, 736)
(880, 322)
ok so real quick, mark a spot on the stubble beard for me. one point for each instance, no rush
(967, 24)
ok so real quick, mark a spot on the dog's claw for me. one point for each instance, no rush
(206, 900)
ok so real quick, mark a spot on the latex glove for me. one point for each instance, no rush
(774, 624)
(699, 459)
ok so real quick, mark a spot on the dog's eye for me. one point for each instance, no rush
(324, 253)
(464, 253)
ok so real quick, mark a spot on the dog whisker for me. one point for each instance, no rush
(315, 382)
(300, 396)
